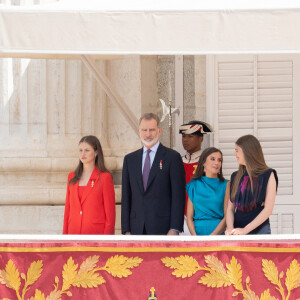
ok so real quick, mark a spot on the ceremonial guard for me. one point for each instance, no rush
(192, 138)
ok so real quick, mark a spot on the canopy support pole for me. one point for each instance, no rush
(109, 89)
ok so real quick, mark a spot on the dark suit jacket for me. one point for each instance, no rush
(161, 207)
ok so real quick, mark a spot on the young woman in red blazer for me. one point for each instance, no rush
(90, 200)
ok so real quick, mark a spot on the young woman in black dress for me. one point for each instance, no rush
(252, 190)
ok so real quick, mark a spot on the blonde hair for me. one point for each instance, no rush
(255, 164)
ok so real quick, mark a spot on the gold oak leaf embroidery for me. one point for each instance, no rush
(55, 295)
(184, 265)
(89, 264)
(33, 274)
(249, 295)
(85, 277)
(217, 276)
(215, 279)
(271, 272)
(69, 274)
(3, 279)
(267, 296)
(88, 279)
(292, 276)
(235, 273)
(12, 275)
(119, 265)
(38, 296)
(214, 263)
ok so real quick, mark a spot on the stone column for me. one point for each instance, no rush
(46, 106)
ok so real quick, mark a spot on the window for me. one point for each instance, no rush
(255, 96)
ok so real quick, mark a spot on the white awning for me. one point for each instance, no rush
(68, 29)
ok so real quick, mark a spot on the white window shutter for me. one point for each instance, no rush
(275, 118)
(254, 96)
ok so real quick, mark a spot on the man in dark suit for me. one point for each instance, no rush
(153, 185)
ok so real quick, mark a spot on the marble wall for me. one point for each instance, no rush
(194, 90)
(46, 106)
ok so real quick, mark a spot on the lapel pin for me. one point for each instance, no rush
(92, 184)
(160, 164)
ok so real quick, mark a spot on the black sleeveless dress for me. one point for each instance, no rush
(249, 204)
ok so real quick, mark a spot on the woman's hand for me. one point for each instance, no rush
(229, 231)
(236, 231)
(239, 231)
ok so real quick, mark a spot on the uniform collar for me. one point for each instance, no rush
(192, 158)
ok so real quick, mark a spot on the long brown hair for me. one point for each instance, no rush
(255, 164)
(99, 160)
(203, 157)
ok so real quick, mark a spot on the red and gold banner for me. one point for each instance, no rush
(150, 270)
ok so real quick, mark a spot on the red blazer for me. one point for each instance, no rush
(96, 212)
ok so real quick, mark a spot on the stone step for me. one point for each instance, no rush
(39, 195)
(48, 164)
(48, 179)
(20, 179)
(38, 219)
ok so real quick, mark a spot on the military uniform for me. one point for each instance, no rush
(190, 162)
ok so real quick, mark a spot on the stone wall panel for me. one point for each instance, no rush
(46, 106)
(38, 219)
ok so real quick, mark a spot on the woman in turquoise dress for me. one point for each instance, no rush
(208, 195)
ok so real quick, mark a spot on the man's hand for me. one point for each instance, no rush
(128, 233)
(172, 232)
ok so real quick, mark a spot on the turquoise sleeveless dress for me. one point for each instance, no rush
(207, 195)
